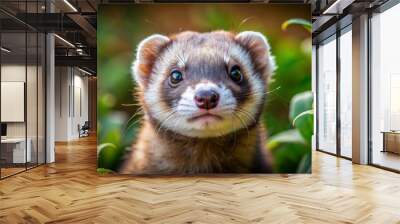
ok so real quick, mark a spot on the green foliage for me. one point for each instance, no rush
(305, 164)
(301, 114)
(103, 171)
(292, 148)
(287, 157)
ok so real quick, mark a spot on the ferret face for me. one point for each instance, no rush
(203, 84)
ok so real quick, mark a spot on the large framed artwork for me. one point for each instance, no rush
(190, 89)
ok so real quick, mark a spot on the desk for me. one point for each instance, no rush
(391, 141)
(16, 147)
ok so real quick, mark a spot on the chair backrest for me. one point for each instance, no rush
(86, 125)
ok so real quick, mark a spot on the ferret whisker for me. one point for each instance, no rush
(247, 113)
(165, 120)
(130, 104)
(262, 93)
(188, 105)
(178, 122)
(188, 108)
(271, 91)
(139, 110)
(243, 123)
(133, 123)
(243, 22)
(162, 111)
(234, 134)
(243, 114)
(227, 108)
(161, 127)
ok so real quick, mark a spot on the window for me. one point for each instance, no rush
(22, 77)
(385, 89)
(346, 92)
(327, 96)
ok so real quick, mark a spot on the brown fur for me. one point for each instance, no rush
(169, 153)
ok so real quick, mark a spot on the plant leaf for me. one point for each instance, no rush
(301, 114)
(103, 171)
(291, 154)
(305, 23)
(104, 145)
(307, 112)
(109, 156)
(305, 164)
(304, 123)
(300, 102)
(289, 136)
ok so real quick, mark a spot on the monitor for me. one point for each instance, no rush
(3, 129)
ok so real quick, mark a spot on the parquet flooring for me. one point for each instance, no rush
(70, 191)
(7, 171)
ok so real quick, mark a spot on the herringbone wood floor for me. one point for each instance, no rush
(70, 191)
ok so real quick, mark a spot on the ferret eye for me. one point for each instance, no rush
(175, 77)
(236, 74)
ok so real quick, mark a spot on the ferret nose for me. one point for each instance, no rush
(206, 99)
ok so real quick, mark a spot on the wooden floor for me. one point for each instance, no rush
(70, 191)
(11, 170)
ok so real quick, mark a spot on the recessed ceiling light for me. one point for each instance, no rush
(84, 71)
(338, 6)
(5, 50)
(70, 5)
(64, 40)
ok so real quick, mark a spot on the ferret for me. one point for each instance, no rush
(202, 95)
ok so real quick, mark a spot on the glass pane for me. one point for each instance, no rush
(32, 90)
(31, 99)
(385, 84)
(327, 96)
(13, 86)
(41, 98)
(346, 94)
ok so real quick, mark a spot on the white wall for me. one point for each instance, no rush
(61, 103)
(71, 94)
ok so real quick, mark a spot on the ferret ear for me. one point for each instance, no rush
(147, 52)
(259, 49)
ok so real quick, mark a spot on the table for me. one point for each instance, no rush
(391, 141)
(17, 150)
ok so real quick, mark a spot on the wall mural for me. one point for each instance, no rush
(186, 89)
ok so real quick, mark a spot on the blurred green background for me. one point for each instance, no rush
(287, 113)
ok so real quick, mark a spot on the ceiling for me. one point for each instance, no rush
(329, 13)
(74, 21)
